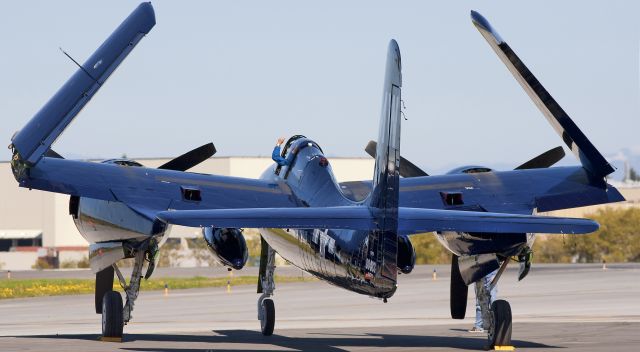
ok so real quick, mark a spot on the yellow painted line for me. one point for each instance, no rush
(110, 339)
(504, 348)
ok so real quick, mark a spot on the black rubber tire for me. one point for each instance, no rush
(112, 322)
(458, 292)
(104, 284)
(501, 334)
(269, 315)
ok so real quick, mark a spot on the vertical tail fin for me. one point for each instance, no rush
(386, 177)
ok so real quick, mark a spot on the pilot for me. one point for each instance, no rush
(276, 154)
(486, 281)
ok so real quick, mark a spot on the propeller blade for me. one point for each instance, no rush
(371, 148)
(52, 154)
(407, 168)
(190, 159)
(544, 160)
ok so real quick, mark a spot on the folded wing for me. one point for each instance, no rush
(580, 145)
(34, 139)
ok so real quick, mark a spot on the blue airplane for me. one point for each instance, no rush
(354, 235)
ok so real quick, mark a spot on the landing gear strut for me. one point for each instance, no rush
(266, 286)
(114, 314)
(496, 316)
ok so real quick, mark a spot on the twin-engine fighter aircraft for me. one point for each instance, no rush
(354, 235)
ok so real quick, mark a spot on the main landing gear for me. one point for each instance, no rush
(496, 315)
(109, 302)
(266, 286)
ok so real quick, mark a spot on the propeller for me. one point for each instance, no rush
(544, 160)
(182, 163)
(50, 153)
(190, 159)
(407, 168)
(458, 291)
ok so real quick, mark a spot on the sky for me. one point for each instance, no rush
(242, 73)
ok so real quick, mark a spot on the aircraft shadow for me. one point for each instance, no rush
(333, 342)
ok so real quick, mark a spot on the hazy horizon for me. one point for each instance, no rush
(242, 73)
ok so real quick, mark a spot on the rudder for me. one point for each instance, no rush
(386, 178)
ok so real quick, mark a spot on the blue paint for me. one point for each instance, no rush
(303, 213)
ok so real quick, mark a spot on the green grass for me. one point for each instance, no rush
(13, 288)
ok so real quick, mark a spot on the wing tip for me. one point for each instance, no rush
(583, 226)
(483, 25)
(147, 7)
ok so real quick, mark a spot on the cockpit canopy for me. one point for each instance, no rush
(298, 141)
(295, 147)
(469, 169)
(123, 162)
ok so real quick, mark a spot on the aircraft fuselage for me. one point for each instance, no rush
(346, 258)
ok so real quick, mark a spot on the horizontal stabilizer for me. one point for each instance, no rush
(573, 137)
(410, 220)
(425, 220)
(36, 137)
(355, 218)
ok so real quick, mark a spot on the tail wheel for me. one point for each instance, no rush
(500, 331)
(112, 320)
(458, 291)
(268, 317)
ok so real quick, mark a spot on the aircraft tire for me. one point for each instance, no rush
(112, 319)
(458, 291)
(269, 317)
(501, 332)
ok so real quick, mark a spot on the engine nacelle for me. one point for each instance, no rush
(228, 245)
(406, 255)
(107, 221)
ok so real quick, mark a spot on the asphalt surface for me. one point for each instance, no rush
(568, 307)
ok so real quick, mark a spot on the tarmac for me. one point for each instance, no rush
(568, 307)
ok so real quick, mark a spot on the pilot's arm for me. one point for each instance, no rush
(276, 154)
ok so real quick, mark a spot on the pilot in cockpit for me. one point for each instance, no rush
(276, 154)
